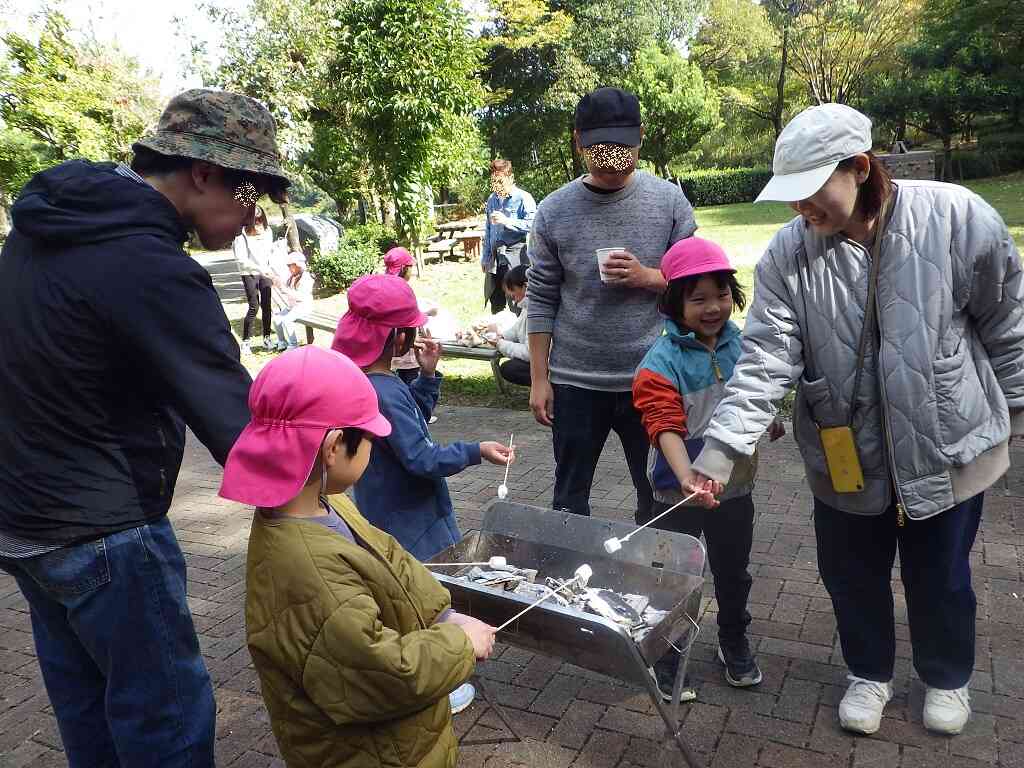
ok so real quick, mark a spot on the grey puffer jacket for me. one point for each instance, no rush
(934, 413)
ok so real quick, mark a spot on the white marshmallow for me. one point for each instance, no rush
(583, 574)
(502, 491)
(612, 545)
(497, 562)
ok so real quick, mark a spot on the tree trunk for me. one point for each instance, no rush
(291, 231)
(577, 165)
(780, 87)
(947, 158)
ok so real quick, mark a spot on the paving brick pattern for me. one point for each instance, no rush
(572, 717)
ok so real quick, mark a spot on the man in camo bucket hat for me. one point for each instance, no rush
(94, 281)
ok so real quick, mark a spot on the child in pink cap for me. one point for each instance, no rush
(354, 641)
(676, 388)
(403, 490)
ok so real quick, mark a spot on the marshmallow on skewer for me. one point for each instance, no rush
(612, 545)
(496, 563)
(503, 491)
(582, 575)
(503, 488)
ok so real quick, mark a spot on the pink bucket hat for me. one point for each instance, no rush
(294, 402)
(694, 256)
(377, 304)
(396, 260)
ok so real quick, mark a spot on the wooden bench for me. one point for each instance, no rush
(325, 321)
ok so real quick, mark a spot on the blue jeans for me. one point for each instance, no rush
(583, 420)
(855, 558)
(118, 651)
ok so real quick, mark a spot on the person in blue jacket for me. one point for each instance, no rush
(403, 491)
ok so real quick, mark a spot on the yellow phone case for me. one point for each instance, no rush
(842, 459)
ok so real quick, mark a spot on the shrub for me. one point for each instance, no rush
(359, 253)
(722, 186)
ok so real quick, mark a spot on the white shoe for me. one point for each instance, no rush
(862, 704)
(268, 342)
(432, 420)
(245, 348)
(946, 711)
(282, 346)
(461, 697)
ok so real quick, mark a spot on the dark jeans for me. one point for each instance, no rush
(728, 532)
(257, 293)
(583, 420)
(118, 651)
(496, 296)
(855, 558)
(516, 371)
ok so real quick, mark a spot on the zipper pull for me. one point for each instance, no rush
(901, 519)
(714, 366)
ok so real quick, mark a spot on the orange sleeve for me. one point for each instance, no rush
(660, 404)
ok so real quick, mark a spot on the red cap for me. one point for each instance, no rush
(377, 304)
(296, 399)
(694, 256)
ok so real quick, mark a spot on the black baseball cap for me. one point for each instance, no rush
(608, 116)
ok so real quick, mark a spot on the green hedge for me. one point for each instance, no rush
(997, 154)
(359, 253)
(722, 186)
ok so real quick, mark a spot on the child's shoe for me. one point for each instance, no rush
(245, 347)
(268, 343)
(664, 674)
(282, 345)
(461, 697)
(741, 670)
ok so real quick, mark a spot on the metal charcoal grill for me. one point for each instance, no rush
(667, 567)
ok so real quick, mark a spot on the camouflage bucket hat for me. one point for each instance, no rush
(223, 128)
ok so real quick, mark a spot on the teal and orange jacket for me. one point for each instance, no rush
(676, 388)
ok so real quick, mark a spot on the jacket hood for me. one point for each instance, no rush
(84, 202)
(689, 338)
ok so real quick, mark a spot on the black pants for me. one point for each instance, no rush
(583, 419)
(516, 371)
(497, 298)
(728, 532)
(257, 292)
(855, 558)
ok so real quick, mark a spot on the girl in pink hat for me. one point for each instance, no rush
(676, 388)
(354, 641)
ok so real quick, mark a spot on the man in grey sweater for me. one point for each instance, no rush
(589, 328)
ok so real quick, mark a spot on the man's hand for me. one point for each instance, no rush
(497, 217)
(705, 488)
(428, 353)
(480, 635)
(776, 430)
(623, 268)
(497, 453)
(542, 403)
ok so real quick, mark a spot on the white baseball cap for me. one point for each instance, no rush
(810, 148)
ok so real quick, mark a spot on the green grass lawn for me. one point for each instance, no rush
(744, 230)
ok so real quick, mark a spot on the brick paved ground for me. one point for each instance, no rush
(572, 717)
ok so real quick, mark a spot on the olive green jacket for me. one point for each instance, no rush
(354, 672)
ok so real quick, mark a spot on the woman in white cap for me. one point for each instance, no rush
(895, 309)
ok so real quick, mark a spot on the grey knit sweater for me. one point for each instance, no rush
(600, 331)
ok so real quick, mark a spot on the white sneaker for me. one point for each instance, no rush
(268, 342)
(245, 347)
(946, 711)
(282, 346)
(862, 704)
(461, 697)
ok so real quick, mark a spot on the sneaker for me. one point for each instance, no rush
(282, 346)
(432, 420)
(741, 670)
(245, 347)
(946, 711)
(268, 342)
(664, 674)
(461, 697)
(861, 708)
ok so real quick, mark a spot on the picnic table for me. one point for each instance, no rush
(325, 321)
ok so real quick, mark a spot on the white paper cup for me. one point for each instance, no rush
(603, 255)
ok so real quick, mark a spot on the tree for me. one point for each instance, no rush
(839, 44)
(678, 109)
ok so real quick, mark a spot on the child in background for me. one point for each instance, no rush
(513, 341)
(296, 296)
(355, 643)
(399, 262)
(677, 386)
(252, 250)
